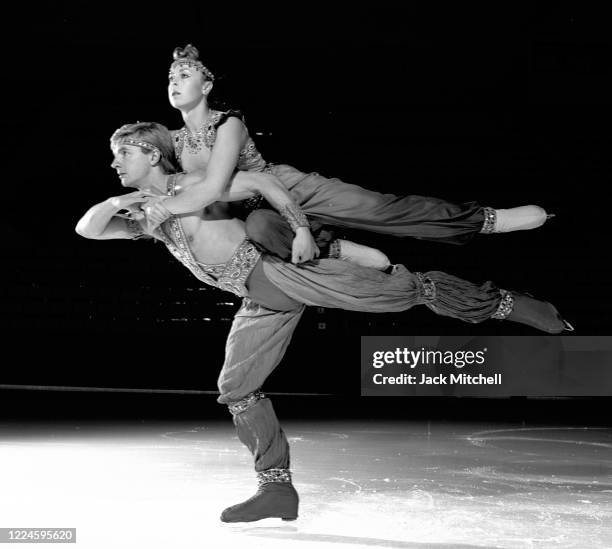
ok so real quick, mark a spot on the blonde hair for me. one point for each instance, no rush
(154, 134)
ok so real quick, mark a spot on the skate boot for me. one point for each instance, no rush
(275, 498)
(522, 218)
(526, 309)
(359, 254)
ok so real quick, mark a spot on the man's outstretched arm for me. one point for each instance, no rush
(101, 221)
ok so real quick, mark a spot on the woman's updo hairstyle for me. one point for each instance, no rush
(189, 55)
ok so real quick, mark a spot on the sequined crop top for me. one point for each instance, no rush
(250, 158)
(230, 276)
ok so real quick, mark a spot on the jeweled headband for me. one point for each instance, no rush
(143, 144)
(194, 64)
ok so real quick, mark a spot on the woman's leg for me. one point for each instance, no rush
(270, 231)
(337, 203)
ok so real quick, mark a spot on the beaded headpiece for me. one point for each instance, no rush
(192, 63)
(138, 143)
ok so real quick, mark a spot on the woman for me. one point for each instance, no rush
(219, 142)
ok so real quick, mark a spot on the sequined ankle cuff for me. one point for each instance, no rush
(428, 287)
(274, 475)
(334, 249)
(244, 404)
(505, 306)
(489, 221)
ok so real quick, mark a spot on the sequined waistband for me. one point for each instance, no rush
(238, 268)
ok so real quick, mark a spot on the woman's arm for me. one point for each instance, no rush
(274, 192)
(304, 247)
(231, 136)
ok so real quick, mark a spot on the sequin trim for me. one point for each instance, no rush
(244, 404)
(137, 143)
(505, 305)
(235, 272)
(248, 306)
(194, 142)
(274, 475)
(429, 287)
(490, 221)
(213, 270)
(334, 249)
(294, 215)
(249, 159)
(238, 268)
(196, 64)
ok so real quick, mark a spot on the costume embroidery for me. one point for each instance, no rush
(250, 158)
(273, 475)
(230, 276)
(244, 404)
(505, 306)
(489, 221)
(429, 287)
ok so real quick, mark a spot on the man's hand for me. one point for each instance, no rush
(304, 247)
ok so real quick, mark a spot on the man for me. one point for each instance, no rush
(214, 246)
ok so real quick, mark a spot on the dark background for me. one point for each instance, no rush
(506, 106)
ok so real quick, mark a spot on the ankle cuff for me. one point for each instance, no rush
(334, 249)
(505, 305)
(274, 475)
(490, 220)
(427, 287)
(244, 404)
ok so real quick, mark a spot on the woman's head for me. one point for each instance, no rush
(153, 139)
(189, 81)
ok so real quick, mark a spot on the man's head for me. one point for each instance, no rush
(140, 148)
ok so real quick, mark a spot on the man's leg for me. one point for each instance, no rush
(256, 344)
(342, 285)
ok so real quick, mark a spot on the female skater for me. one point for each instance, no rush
(219, 142)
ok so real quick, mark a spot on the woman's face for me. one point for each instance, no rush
(186, 87)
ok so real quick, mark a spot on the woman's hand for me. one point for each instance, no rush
(304, 247)
(127, 201)
(155, 212)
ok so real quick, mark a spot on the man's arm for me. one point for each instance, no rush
(101, 222)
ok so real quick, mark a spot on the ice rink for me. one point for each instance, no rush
(362, 483)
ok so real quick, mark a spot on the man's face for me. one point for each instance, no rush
(131, 164)
(185, 86)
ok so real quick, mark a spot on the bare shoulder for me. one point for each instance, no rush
(186, 180)
(231, 124)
